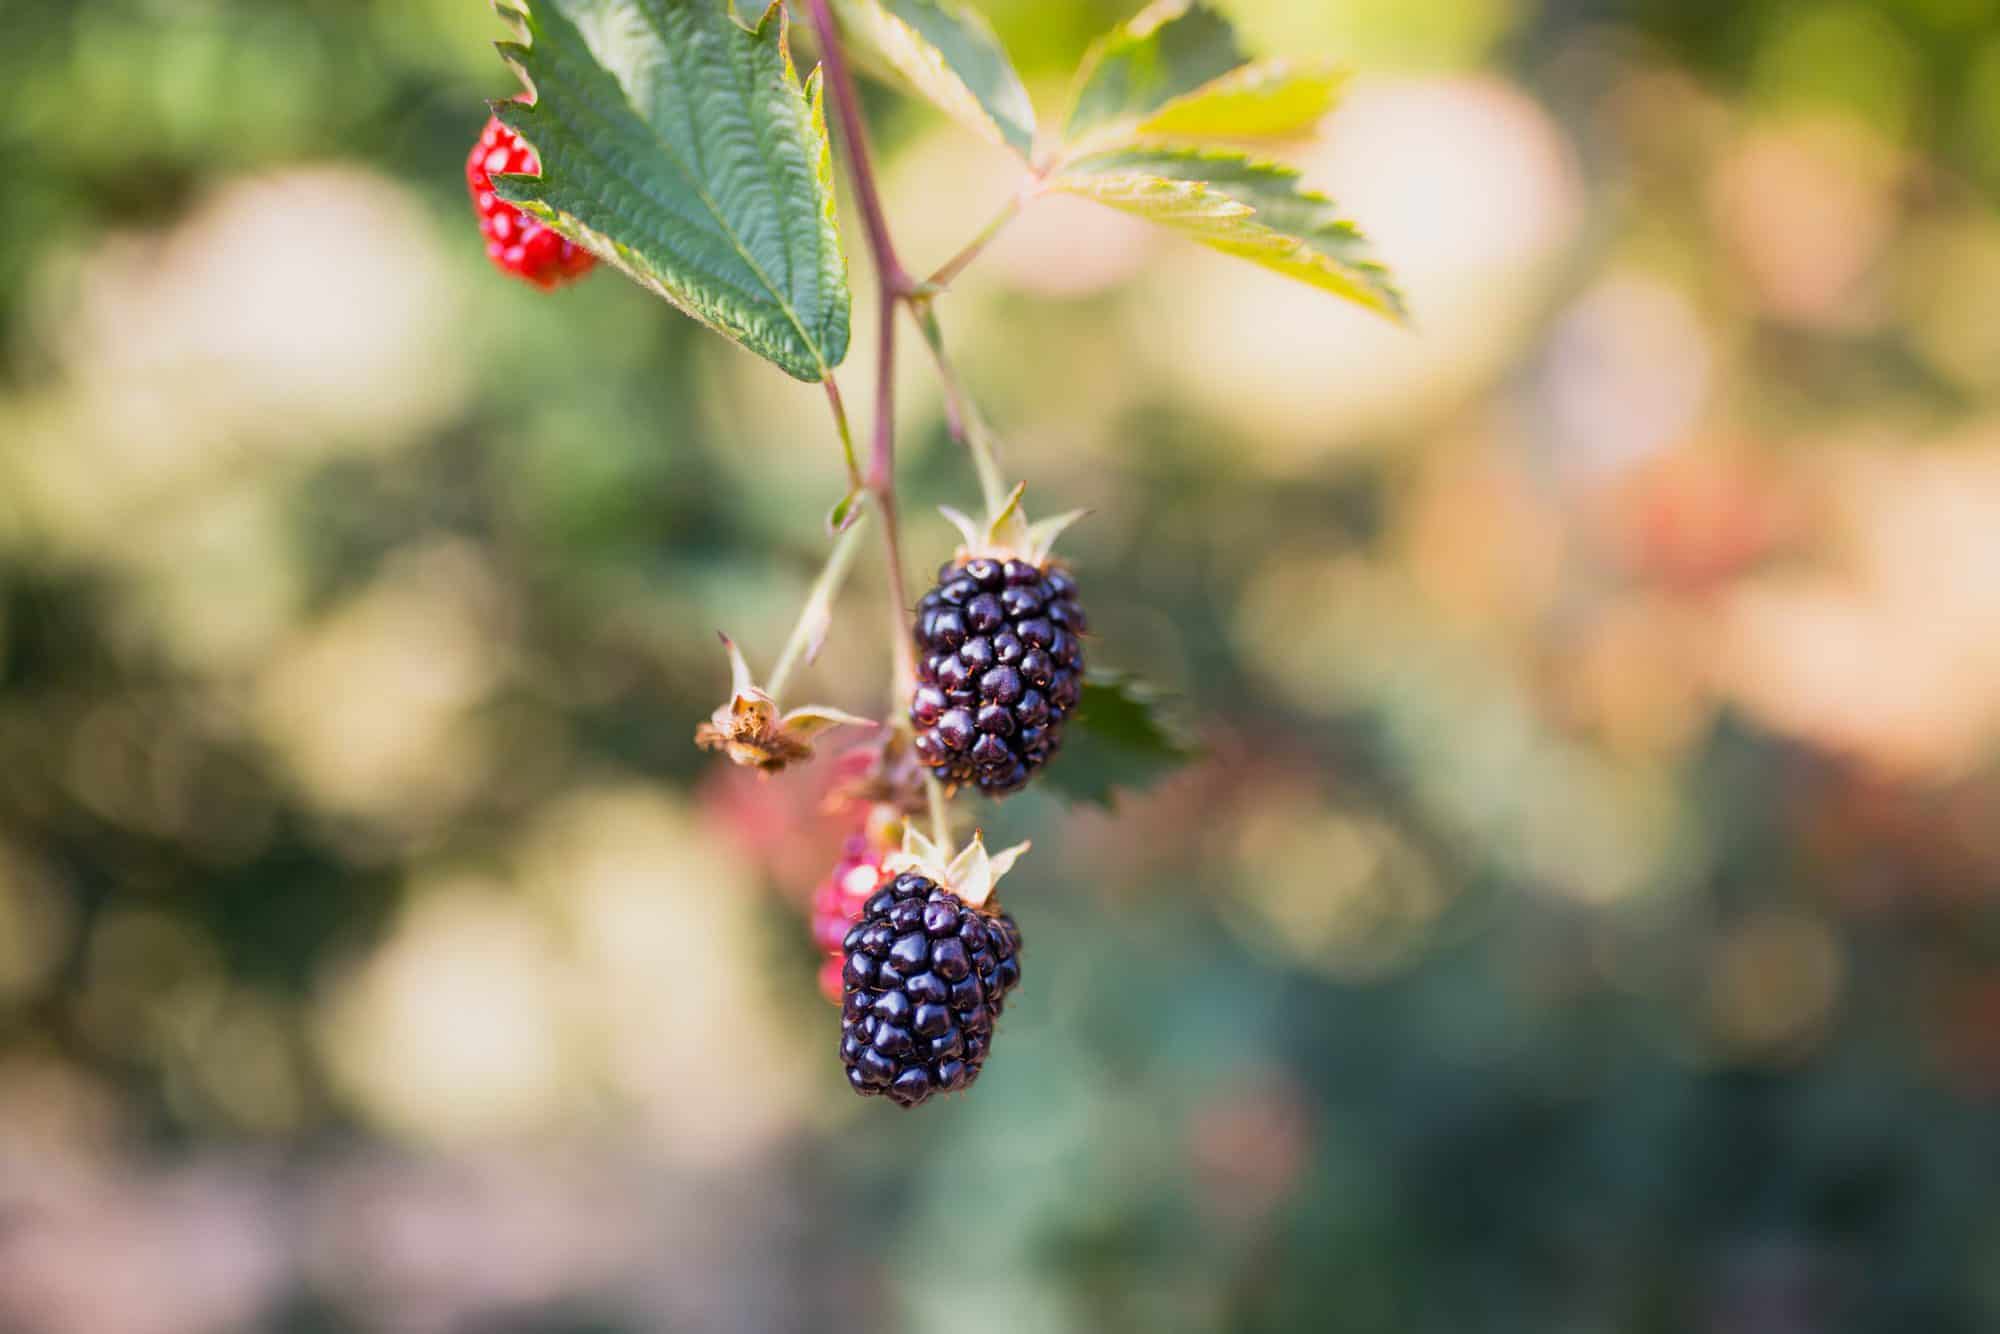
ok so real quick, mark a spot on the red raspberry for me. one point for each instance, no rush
(516, 242)
(837, 905)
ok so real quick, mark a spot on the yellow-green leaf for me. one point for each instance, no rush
(1264, 99)
(1168, 50)
(947, 53)
(680, 145)
(1255, 210)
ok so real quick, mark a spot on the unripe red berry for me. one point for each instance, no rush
(518, 243)
(837, 904)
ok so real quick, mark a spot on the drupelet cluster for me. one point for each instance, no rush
(926, 975)
(1000, 671)
(516, 242)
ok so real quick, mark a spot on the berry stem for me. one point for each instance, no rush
(940, 810)
(817, 614)
(967, 427)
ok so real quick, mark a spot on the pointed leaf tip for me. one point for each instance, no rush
(971, 859)
(969, 530)
(1012, 506)
(1044, 533)
(1003, 862)
(1256, 210)
(741, 683)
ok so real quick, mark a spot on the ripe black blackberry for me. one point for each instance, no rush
(926, 973)
(999, 654)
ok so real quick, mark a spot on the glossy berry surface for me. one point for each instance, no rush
(999, 671)
(516, 242)
(925, 976)
(837, 906)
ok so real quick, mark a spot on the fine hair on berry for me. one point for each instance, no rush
(925, 976)
(999, 671)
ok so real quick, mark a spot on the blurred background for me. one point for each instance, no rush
(1586, 917)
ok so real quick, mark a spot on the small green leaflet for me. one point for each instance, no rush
(1174, 79)
(946, 52)
(679, 145)
(1166, 51)
(1266, 99)
(1117, 740)
(1240, 206)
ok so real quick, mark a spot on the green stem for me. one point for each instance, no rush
(817, 614)
(940, 810)
(962, 419)
(957, 264)
(839, 405)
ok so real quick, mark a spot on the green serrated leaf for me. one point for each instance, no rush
(680, 145)
(948, 53)
(1118, 740)
(1168, 50)
(1241, 206)
(1265, 99)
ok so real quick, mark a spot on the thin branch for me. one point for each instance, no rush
(882, 450)
(957, 264)
(882, 485)
(817, 614)
(961, 417)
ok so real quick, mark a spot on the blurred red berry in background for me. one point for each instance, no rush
(515, 242)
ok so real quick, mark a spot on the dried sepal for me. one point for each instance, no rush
(968, 527)
(973, 874)
(750, 729)
(1007, 534)
(1043, 533)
